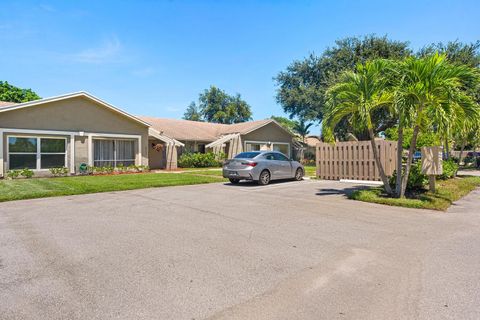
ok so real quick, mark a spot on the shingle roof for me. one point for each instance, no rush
(312, 140)
(200, 131)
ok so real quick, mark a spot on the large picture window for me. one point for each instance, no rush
(112, 153)
(52, 153)
(36, 152)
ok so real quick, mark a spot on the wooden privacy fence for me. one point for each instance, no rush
(354, 160)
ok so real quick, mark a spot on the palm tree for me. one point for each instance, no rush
(355, 97)
(429, 94)
(302, 128)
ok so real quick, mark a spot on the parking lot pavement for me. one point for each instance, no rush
(290, 250)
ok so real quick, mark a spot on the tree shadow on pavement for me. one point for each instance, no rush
(347, 191)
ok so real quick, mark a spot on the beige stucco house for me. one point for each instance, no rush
(230, 139)
(78, 128)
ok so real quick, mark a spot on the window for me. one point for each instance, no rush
(36, 153)
(247, 155)
(282, 147)
(52, 153)
(279, 156)
(201, 148)
(112, 153)
(253, 147)
(269, 156)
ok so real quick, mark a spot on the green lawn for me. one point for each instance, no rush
(49, 187)
(216, 172)
(310, 171)
(200, 169)
(448, 191)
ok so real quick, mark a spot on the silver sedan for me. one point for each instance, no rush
(262, 166)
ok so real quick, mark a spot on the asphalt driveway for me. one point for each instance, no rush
(296, 250)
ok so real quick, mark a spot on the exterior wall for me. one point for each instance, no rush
(81, 151)
(267, 135)
(74, 117)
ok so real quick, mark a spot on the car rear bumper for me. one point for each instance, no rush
(242, 174)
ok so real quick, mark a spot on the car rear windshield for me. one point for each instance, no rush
(247, 155)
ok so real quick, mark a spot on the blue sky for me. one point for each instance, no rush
(154, 57)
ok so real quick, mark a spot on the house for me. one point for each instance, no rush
(74, 129)
(229, 139)
(77, 128)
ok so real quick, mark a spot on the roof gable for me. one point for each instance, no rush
(83, 94)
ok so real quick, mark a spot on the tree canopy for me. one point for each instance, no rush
(11, 93)
(301, 87)
(192, 113)
(215, 105)
(287, 123)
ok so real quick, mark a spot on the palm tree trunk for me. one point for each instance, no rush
(302, 152)
(398, 183)
(411, 150)
(383, 176)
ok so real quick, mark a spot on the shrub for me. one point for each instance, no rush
(26, 173)
(199, 160)
(121, 168)
(416, 179)
(142, 168)
(59, 172)
(450, 169)
(133, 168)
(101, 170)
(13, 174)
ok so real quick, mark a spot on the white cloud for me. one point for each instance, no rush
(108, 51)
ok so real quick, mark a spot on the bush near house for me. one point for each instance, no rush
(200, 160)
(59, 172)
(450, 168)
(13, 174)
(26, 173)
(416, 179)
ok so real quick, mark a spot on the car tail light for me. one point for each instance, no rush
(250, 164)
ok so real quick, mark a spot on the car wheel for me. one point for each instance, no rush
(234, 181)
(264, 178)
(299, 174)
